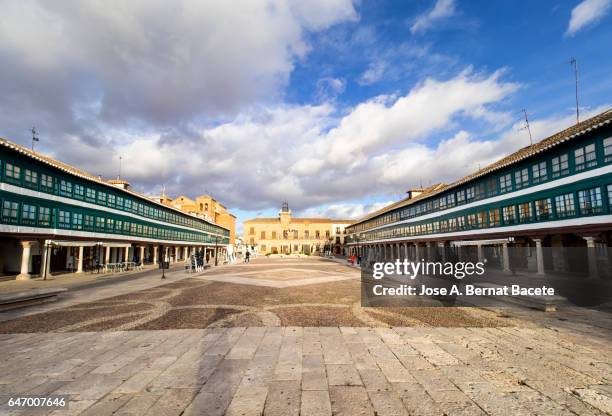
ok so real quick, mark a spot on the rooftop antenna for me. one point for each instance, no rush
(120, 160)
(527, 126)
(574, 63)
(34, 136)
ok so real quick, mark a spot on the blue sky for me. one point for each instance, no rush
(337, 106)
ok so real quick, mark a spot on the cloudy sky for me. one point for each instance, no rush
(337, 106)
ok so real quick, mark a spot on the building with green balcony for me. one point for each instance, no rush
(55, 217)
(542, 201)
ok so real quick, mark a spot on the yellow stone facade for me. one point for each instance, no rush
(286, 234)
(210, 209)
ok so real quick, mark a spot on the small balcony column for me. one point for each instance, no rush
(592, 257)
(26, 259)
(80, 260)
(480, 253)
(539, 255)
(505, 258)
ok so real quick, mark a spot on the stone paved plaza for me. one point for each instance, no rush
(288, 337)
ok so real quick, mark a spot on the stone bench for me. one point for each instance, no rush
(29, 297)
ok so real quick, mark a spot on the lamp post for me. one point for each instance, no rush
(216, 251)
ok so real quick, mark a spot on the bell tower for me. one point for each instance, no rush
(285, 214)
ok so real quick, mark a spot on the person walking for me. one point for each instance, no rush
(247, 257)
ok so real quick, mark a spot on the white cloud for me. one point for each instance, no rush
(157, 61)
(353, 210)
(587, 13)
(374, 73)
(442, 9)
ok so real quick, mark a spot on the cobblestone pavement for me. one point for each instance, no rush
(529, 363)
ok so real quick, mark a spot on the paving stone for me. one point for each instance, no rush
(350, 401)
(315, 403)
(249, 400)
(343, 375)
(283, 398)
(387, 403)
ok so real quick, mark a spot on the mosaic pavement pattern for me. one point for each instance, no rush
(264, 293)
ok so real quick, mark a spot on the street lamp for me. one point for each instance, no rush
(216, 251)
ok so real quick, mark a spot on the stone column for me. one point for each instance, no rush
(480, 253)
(505, 258)
(166, 251)
(539, 255)
(141, 257)
(80, 260)
(108, 255)
(406, 255)
(26, 259)
(417, 252)
(442, 246)
(155, 254)
(592, 255)
(127, 254)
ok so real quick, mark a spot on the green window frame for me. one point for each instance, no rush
(12, 173)
(30, 178)
(110, 225)
(46, 182)
(44, 216)
(585, 157)
(111, 200)
(509, 214)
(79, 191)
(560, 165)
(607, 149)
(564, 205)
(99, 223)
(539, 172)
(10, 212)
(494, 217)
(101, 198)
(469, 193)
(28, 214)
(77, 221)
(63, 219)
(543, 209)
(89, 222)
(65, 188)
(525, 212)
(521, 178)
(90, 194)
(590, 201)
(505, 183)
(460, 197)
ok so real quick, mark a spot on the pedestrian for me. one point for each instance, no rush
(247, 257)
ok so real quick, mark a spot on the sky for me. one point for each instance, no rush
(336, 106)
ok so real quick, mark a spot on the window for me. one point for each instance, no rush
(317, 234)
(79, 191)
(111, 200)
(295, 234)
(607, 146)
(90, 194)
(99, 223)
(505, 183)
(273, 235)
(480, 191)
(31, 178)
(589, 201)
(509, 214)
(469, 193)
(89, 222)
(450, 200)
(120, 203)
(565, 205)
(525, 212)
(306, 234)
(494, 217)
(46, 182)
(128, 204)
(585, 157)
(538, 172)
(543, 209)
(560, 166)
(102, 197)
(77, 221)
(263, 248)
(327, 234)
(263, 235)
(610, 196)
(252, 231)
(460, 197)
(28, 213)
(461, 223)
(12, 172)
(10, 211)
(65, 188)
(492, 187)
(482, 219)
(63, 219)
(521, 178)
(44, 216)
